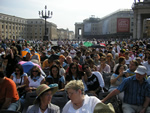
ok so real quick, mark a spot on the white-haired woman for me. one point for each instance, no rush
(79, 102)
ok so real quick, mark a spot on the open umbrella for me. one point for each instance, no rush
(98, 46)
(27, 50)
(27, 65)
(87, 44)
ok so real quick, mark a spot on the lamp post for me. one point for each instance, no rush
(45, 16)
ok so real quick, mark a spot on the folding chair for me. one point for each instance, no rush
(106, 77)
(60, 99)
(29, 99)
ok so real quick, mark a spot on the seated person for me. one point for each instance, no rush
(35, 79)
(116, 79)
(42, 103)
(47, 63)
(55, 77)
(93, 80)
(9, 98)
(78, 100)
(20, 78)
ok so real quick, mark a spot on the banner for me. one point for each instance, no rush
(123, 24)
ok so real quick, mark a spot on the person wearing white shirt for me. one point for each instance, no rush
(147, 65)
(79, 103)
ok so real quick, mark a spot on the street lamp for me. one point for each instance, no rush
(41, 14)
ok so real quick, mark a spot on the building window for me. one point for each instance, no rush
(2, 26)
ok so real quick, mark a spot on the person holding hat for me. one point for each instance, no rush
(136, 92)
(42, 103)
(79, 102)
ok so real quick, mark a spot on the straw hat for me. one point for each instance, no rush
(43, 88)
(104, 108)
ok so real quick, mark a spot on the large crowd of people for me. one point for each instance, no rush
(77, 68)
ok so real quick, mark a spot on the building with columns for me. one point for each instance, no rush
(141, 15)
(12, 27)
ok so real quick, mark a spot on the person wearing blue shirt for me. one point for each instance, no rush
(132, 67)
(136, 92)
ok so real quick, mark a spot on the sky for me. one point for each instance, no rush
(65, 12)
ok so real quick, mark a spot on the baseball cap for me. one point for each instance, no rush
(141, 70)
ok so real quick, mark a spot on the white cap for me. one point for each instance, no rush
(141, 70)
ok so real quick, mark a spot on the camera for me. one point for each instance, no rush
(124, 74)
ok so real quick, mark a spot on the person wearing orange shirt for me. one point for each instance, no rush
(9, 98)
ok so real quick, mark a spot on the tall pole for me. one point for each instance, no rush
(49, 15)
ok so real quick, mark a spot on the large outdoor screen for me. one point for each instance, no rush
(123, 24)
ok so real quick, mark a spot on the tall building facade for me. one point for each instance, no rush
(12, 27)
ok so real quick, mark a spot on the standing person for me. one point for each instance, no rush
(136, 93)
(42, 102)
(11, 55)
(79, 102)
(18, 46)
(9, 98)
(93, 80)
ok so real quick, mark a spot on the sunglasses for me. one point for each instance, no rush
(35, 71)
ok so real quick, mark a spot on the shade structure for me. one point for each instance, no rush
(27, 65)
(87, 44)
